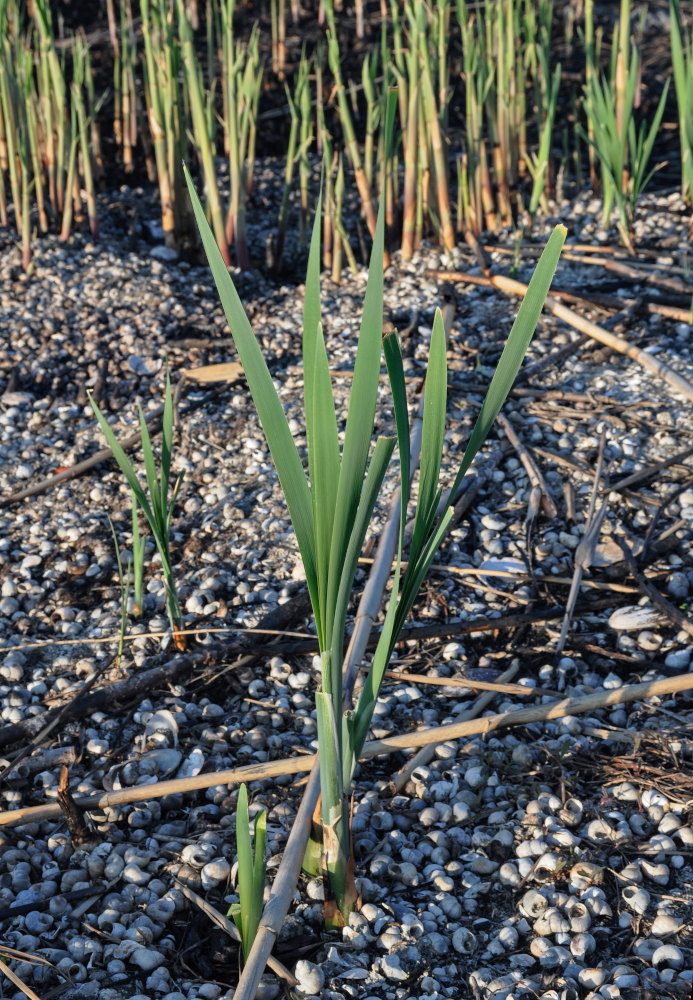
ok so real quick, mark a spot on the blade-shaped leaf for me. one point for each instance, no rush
(245, 861)
(433, 433)
(395, 370)
(515, 349)
(369, 494)
(267, 402)
(124, 463)
(323, 452)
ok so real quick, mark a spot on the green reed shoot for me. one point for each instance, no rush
(79, 58)
(241, 83)
(305, 139)
(539, 163)
(291, 158)
(159, 499)
(195, 92)
(138, 548)
(251, 872)
(347, 123)
(124, 586)
(331, 505)
(623, 150)
(682, 62)
(161, 69)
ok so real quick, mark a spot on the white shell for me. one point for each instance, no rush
(636, 898)
(582, 944)
(533, 904)
(636, 617)
(668, 956)
(664, 925)
(579, 916)
(571, 813)
(584, 874)
(592, 978)
(552, 921)
(656, 872)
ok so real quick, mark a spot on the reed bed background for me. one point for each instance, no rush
(499, 105)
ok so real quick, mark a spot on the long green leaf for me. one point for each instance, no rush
(124, 464)
(267, 402)
(321, 432)
(515, 349)
(245, 865)
(395, 369)
(369, 494)
(433, 433)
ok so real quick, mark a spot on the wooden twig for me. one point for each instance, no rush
(391, 744)
(642, 475)
(81, 834)
(584, 554)
(531, 468)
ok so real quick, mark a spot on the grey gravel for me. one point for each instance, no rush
(501, 869)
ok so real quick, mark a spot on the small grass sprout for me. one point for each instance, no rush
(157, 507)
(251, 872)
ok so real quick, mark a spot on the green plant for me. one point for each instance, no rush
(331, 507)
(124, 584)
(137, 559)
(251, 872)
(623, 150)
(157, 508)
(682, 62)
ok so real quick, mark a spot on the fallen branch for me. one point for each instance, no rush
(391, 744)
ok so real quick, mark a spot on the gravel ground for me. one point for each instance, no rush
(548, 861)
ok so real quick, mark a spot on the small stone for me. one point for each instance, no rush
(678, 659)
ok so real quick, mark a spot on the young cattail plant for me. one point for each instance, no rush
(252, 872)
(347, 122)
(55, 107)
(69, 202)
(341, 239)
(539, 163)
(682, 62)
(128, 60)
(137, 559)
(79, 59)
(158, 505)
(195, 91)
(161, 70)
(624, 150)
(291, 158)
(241, 82)
(477, 198)
(117, 78)
(305, 140)
(331, 505)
